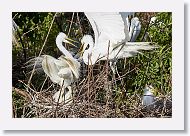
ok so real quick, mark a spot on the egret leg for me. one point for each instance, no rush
(113, 67)
(63, 96)
(69, 96)
(83, 70)
(57, 97)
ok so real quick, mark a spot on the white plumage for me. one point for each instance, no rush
(111, 38)
(135, 28)
(148, 97)
(63, 71)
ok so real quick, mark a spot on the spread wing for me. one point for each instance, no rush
(109, 23)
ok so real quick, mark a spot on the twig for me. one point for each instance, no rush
(30, 31)
(27, 87)
(43, 83)
(23, 93)
(78, 19)
(146, 29)
(71, 23)
(107, 87)
(22, 44)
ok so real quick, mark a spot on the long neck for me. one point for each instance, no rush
(62, 49)
(134, 29)
(89, 56)
(91, 45)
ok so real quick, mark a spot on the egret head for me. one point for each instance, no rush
(89, 58)
(62, 37)
(86, 43)
(135, 21)
(149, 90)
(135, 29)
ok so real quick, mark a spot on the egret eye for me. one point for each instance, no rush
(66, 90)
(87, 47)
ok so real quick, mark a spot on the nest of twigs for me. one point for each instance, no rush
(94, 96)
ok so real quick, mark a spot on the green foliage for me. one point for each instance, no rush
(18, 103)
(33, 28)
(154, 67)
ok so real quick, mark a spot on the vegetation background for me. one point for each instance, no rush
(37, 31)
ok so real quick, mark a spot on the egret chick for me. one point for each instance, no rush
(148, 97)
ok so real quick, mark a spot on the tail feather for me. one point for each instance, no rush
(135, 46)
(130, 49)
(30, 63)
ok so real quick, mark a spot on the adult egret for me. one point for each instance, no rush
(133, 24)
(63, 71)
(135, 28)
(111, 39)
(148, 97)
(60, 73)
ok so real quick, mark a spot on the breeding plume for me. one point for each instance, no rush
(63, 71)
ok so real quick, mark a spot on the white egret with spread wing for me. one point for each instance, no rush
(111, 39)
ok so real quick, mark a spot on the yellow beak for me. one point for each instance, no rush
(69, 41)
(81, 50)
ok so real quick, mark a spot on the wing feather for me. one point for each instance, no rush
(109, 23)
(50, 68)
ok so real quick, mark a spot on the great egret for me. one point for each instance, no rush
(63, 71)
(135, 28)
(148, 97)
(133, 24)
(127, 17)
(111, 39)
